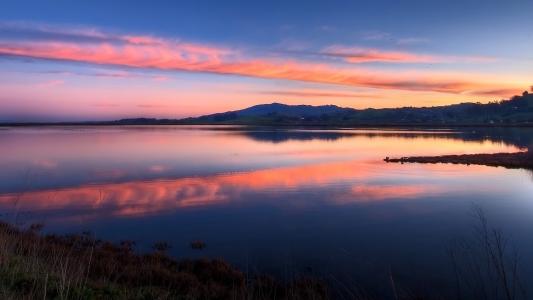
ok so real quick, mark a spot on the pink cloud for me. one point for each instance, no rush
(105, 104)
(45, 163)
(149, 52)
(505, 92)
(151, 105)
(366, 55)
(50, 83)
(319, 94)
(160, 78)
(157, 168)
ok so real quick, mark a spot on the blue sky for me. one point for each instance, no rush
(222, 55)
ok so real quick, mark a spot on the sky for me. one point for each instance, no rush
(105, 60)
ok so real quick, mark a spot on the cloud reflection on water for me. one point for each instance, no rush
(92, 173)
(343, 184)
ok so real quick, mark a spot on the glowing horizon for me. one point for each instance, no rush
(59, 70)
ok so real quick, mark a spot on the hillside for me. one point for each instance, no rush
(516, 111)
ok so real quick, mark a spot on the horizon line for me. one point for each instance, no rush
(4, 123)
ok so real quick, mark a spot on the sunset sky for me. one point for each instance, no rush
(103, 60)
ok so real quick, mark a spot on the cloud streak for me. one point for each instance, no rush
(318, 94)
(367, 55)
(497, 92)
(376, 35)
(103, 73)
(50, 83)
(147, 52)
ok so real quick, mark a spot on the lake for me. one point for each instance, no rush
(281, 201)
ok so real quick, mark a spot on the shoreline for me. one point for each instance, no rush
(80, 266)
(517, 160)
(328, 126)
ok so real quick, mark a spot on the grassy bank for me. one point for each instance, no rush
(36, 266)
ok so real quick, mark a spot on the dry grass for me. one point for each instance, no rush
(34, 266)
(486, 266)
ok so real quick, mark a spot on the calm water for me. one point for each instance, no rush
(281, 201)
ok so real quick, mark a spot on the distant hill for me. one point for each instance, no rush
(266, 113)
(516, 111)
(290, 110)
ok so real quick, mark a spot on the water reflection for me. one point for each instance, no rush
(320, 198)
(322, 184)
(119, 171)
(519, 137)
(63, 157)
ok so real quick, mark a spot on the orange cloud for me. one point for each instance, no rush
(164, 54)
(497, 92)
(318, 93)
(365, 55)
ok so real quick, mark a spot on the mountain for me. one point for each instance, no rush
(290, 110)
(265, 113)
(516, 111)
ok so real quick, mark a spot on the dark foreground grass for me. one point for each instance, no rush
(36, 266)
